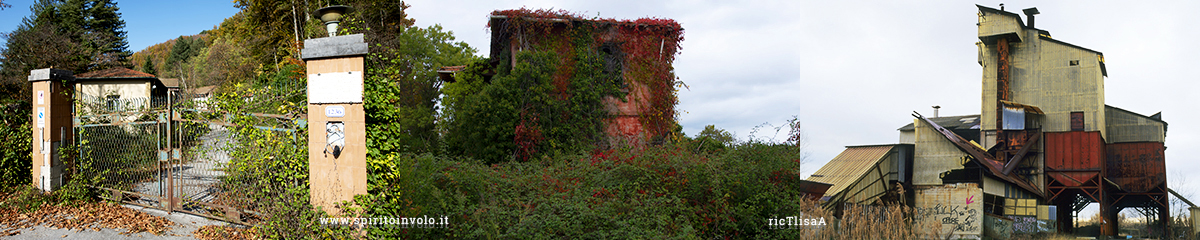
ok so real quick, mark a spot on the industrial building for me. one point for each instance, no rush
(1044, 146)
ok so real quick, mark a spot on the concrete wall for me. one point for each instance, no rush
(958, 207)
(126, 88)
(1041, 75)
(909, 137)
(933, 155)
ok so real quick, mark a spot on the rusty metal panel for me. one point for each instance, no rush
(1079, 154)
(1074, 150)
(1136, 167)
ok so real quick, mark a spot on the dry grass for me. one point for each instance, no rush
(870, 222)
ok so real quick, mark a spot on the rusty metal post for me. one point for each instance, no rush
(1001, 92)
(170, 170)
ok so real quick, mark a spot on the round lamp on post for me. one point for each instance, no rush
(332, 15)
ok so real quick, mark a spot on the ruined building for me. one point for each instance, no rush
(1044, 146)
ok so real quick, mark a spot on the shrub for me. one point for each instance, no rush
(655, 192)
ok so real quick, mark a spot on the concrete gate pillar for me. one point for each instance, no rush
(51, 122)
(337, 151)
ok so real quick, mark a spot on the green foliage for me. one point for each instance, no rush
(549, 101)
(655, 192)
(184, 49)
(15, 158)
(401, 87)
(148, 67)
(268, 170)
(712, 139)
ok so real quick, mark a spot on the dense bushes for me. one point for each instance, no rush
(662, 191)
(15, 150)
(536, 107)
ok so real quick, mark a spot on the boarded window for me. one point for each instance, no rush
(1076, 121)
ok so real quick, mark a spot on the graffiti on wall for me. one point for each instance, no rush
(1024, 224)
(997, 227)
(957, 207)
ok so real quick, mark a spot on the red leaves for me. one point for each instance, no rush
(527, 135)
(602, 193)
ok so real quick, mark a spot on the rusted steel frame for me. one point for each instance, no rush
(981, 156)
(1073, 179)
(1001, 90)
(1012, 163)
(1180, 197)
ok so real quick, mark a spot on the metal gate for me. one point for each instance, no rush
(160, 153)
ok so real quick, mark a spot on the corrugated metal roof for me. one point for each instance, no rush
(849, 166)
(951, 122)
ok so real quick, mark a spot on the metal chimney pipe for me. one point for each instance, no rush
(1029, 12)
(935, 110)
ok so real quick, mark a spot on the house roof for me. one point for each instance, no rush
(951, 122)
(447, 73)
(113, 73)
(850, 166)
(170, 82)
(203, 90)
(993, 10)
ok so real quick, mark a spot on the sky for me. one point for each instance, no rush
(851, 71)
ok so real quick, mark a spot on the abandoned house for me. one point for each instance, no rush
(1044, 146)
(639, 52)
(119, 88)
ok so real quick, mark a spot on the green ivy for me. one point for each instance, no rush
(550, 101)
(655, 192)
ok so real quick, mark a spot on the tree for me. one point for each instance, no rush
(712, 139)
(180, 52)
(76, 35)
(148, 67)
(107, 34)
(402, 88)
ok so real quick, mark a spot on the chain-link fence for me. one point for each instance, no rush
(158, 152)
(118, 143)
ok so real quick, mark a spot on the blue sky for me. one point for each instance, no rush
(851, 71)
(146, 22)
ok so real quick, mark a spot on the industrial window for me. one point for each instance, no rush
(1076, 121)
(1074, 62)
